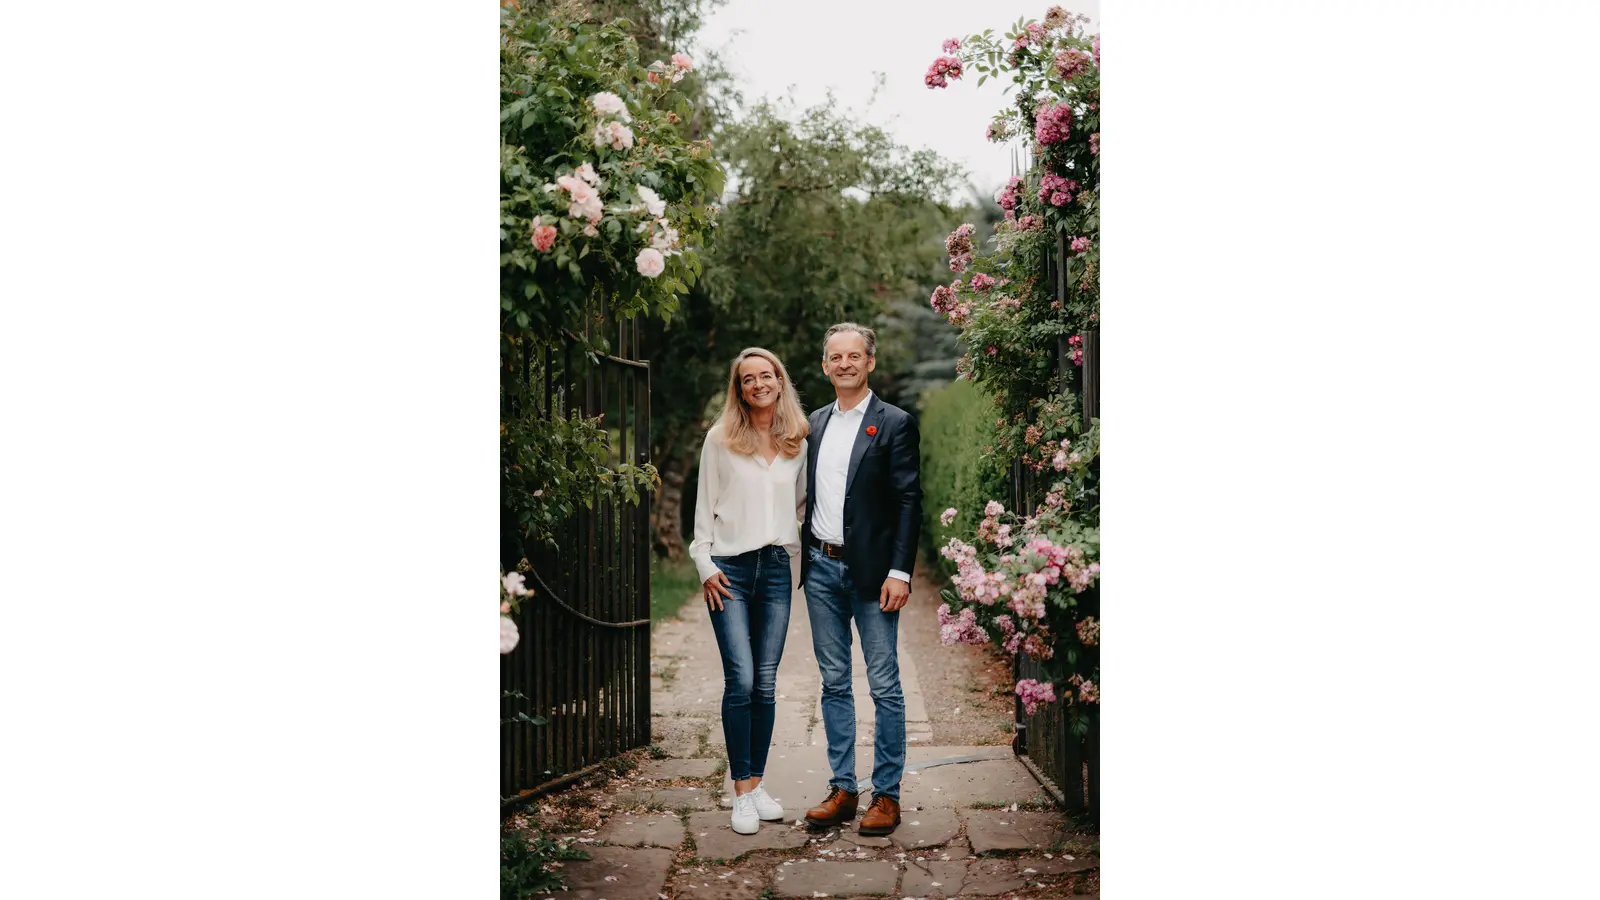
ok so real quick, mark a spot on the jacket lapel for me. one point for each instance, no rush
(863, 441)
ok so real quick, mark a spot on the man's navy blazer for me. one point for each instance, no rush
(883, 495)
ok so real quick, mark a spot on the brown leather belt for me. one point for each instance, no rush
(832, 551)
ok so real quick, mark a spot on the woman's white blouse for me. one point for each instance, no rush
(743, 504)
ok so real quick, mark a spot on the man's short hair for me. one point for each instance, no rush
(867, 334)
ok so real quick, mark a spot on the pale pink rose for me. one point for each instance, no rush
(508, 635)
(589, 209)
(652, 200)
(613, 134)
(543, 238)
(993, 508)
(585, 199)
(682, 61)
(650, 262)
(579, 189)
(948, 516)
(505, 607)
(513, 582)
(591, 231)
(587, 173)
(666, 238)
(608, 104)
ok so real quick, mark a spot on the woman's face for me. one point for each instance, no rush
(758, 383)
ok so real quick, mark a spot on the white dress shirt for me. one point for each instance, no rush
(744, 504)
(833, 470)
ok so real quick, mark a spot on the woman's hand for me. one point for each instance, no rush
(716, 588)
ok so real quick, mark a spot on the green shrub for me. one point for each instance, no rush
(525, 864)
(672, 584)
(957, 424)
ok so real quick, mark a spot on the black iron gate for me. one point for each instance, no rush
(1067, 764)
(582, 667)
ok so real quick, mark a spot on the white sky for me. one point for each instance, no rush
(771, 47)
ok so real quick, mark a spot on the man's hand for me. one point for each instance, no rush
(716, 588)
(893, 594)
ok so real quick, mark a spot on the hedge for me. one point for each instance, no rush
(957, 423)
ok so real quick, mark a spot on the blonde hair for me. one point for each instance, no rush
(789, 425)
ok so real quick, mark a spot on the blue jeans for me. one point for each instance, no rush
(831, 601)
(750, 630)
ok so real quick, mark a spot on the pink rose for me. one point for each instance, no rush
(544, 237)
(650, 262)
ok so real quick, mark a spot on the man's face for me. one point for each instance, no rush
(845, 361)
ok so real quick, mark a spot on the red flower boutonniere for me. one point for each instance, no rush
(872, 430)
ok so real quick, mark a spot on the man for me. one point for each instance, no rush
(863, 517)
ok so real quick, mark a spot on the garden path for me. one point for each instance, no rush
(975, 828)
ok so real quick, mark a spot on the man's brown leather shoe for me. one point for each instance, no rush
(840, 806)
(882, 817)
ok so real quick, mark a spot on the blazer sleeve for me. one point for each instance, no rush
(905, 478)
(705, 505)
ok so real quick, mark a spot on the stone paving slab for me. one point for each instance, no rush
(617, 873)
(934, 879)
(721, 883)
(836, 879)
(680, 749)
(791, 723)
(992, 830)
(671, 798)
(656, 830)
(922, 829)
(714, 837)
(1060, 865)
(849, 837)
(668, 769)
(1001, 779)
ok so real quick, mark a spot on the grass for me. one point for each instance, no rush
(672, 584)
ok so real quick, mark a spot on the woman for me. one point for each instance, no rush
(752, 493)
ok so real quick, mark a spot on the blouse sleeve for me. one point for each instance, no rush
(705, 508)
(800, 486)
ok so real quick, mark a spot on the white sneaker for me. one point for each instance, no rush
(745, 818)
(767, 808)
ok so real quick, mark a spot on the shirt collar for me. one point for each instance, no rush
(858, 409)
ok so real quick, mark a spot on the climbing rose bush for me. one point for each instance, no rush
(1018, 576)
(594, 172)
